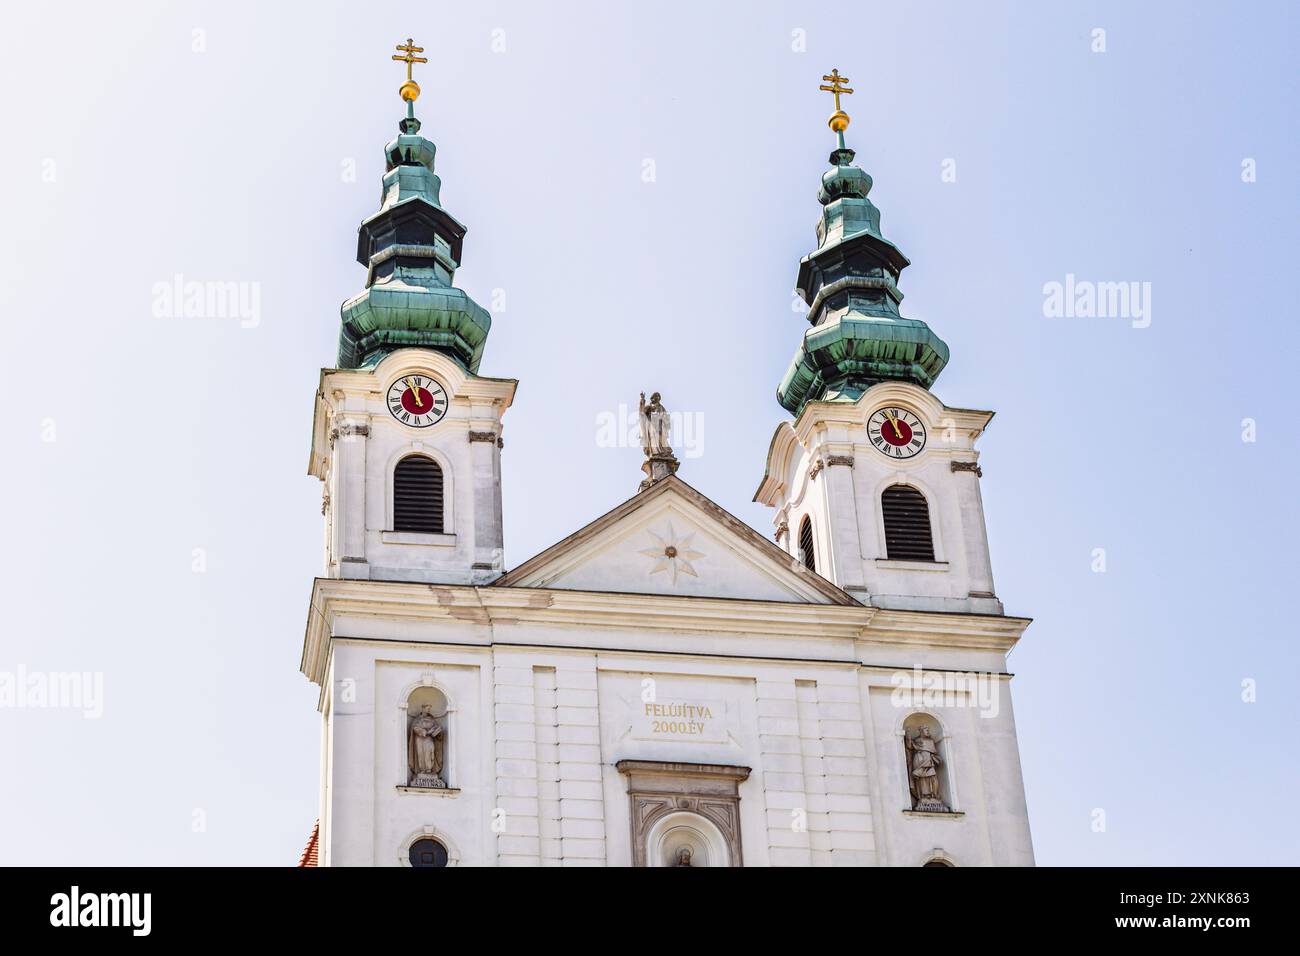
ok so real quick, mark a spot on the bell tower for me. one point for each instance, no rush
(875, 484)
(407, 435)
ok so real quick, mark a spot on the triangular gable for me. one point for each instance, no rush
(670, 539)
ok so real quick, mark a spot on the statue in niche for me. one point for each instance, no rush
(656, 429)
(683, 858)
(424, 750)
(923, 769)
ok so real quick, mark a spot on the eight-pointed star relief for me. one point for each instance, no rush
(673, 554)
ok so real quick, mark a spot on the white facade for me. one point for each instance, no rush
(356, 445)
(824, 466)
(665, 681)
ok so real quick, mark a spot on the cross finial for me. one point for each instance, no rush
(410, 89)
(835, 85)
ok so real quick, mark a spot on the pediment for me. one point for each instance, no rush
(672, 540)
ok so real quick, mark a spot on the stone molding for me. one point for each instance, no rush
(656, 789)
(970, 466)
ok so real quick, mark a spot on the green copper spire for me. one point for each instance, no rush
(411, 248)
(858, 338)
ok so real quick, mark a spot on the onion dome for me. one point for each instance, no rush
(850, 283)
(411, 249)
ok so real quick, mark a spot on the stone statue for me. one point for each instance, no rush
(923, 766)
(684, 854)
(656, 429)
(656, 441)
(424, 750)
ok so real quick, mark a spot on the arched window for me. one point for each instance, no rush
(417, 495)
(936, 862)
(806, 544)
(907, 524)
(428, 853)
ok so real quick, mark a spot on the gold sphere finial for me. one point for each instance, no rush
(839, 121)
(410, 89)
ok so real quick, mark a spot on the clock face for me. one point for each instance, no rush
(896, 432)
(417, 400)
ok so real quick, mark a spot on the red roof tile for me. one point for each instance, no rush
(311, 853)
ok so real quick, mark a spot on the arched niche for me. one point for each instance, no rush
(925, 752)
(685, 838)
(428, 730)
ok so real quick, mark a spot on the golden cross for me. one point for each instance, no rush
(410, 49)
(836, 87)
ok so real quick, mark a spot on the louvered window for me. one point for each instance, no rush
(907, 524)
(417, 495)
(806, 545)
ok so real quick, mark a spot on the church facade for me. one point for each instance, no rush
(665, 686)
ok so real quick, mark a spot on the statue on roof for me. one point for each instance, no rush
(656, 441)
(656, 428)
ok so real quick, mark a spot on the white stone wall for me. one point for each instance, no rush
(548, 773)
(535, 733)
(810, 474)
(988, 827)
(815, 772)
(357, 446)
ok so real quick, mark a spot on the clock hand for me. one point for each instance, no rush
(415, 389)
(893, 421)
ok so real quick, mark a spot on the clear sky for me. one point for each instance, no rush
(141, 448)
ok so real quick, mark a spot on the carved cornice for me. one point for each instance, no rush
(347, 429)
(827, 462)
(487, 437)
(420, 610)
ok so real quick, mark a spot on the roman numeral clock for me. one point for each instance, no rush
(896, 432)
(417, 400)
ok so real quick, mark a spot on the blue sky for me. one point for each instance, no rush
(132, 157)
